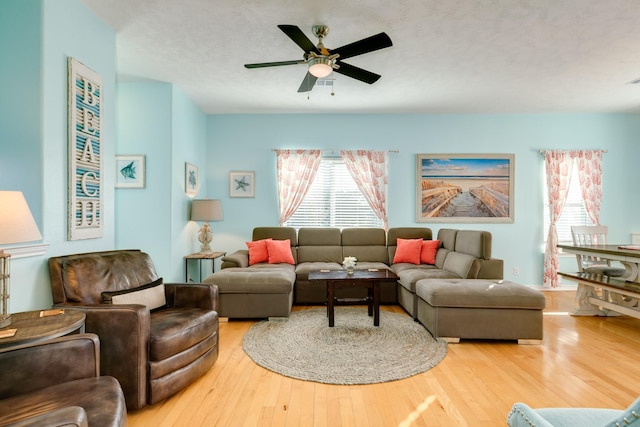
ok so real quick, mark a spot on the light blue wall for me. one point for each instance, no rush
(189, 145)
(36, 37)
(245, 142)
(157, 120)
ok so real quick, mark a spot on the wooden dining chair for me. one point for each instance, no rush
(593, 235)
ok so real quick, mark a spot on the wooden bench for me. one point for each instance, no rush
(598, 294)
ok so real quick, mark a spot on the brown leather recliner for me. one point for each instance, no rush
(58, 382)
(153, 353)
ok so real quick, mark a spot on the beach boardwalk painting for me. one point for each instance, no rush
(465, 188)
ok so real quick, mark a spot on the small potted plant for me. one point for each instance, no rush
(349, 263)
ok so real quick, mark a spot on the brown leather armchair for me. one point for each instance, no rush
(58, 382)
(153, 353)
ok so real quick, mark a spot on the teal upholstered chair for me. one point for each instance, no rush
(522, 415)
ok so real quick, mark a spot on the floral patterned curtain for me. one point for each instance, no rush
(296, 171)
(558, 168)
(369, 170)
(590, 175)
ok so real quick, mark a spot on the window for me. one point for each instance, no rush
(573, 212)
(334, 200)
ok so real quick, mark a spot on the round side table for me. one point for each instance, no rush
(41, 325)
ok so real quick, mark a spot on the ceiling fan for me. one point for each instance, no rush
(323, 61)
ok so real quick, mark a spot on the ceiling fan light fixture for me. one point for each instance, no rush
(320, 67)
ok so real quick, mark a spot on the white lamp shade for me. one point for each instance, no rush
(16, 221)
(206, 210)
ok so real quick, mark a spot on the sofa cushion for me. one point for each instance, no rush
(173, 330)
(402, 266)
(474, 242)
(408, 251)
(366, 244)
(428, 251)
(258, 251)
(257, 279)
(303, 269)
(280, 252)
(275, 233)
(409, 278)
(151, 295)
(447, 237)
(319, 245)
(465, 266)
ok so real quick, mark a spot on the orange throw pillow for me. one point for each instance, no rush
(280, 251)
(258, 251)
(408, 250)
(428, 253)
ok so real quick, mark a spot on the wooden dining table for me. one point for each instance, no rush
(602, 295)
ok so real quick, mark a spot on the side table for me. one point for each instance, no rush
(40, 325)
(199, 256)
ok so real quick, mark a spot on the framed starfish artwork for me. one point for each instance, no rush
(242, 184)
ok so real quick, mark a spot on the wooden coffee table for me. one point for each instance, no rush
(369, 279)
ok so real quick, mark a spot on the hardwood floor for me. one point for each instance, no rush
(583, 361)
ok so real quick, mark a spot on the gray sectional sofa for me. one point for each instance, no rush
(266, 290)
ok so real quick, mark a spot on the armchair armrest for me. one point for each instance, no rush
(522, 415)
(124, 332)
(71, 416)
(237, 259)
(34, 366)
(198, 295)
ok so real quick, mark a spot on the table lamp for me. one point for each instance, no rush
(16, 226)
(206, 210)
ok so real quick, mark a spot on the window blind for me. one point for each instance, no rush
(334, 200)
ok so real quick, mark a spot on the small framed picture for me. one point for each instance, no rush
(191, 180)
(130, 171)
(242, 184)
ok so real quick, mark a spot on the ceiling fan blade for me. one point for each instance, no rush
(307, 83)
(274, 64)
(299, 38)
(376, 42)
(357, 73)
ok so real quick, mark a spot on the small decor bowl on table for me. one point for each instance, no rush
(349, 263)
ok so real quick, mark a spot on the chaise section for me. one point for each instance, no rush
(259, 292)
(480, 309)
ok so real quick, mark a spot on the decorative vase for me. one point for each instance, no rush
(349, 263)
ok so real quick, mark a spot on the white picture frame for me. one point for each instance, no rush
(130, 171)
(191, 180)
(242, 184)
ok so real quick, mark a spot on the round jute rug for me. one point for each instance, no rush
(352, 352)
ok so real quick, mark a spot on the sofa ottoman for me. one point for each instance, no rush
(480, 309)
(254, 292)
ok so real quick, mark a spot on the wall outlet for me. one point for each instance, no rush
(516, 271)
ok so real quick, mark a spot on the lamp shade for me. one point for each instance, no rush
(16, 221)
(206, 210)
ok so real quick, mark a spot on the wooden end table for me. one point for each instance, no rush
(370, 279)
(31, 326)
(199, 256)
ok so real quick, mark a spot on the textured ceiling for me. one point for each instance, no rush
(448, 56)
